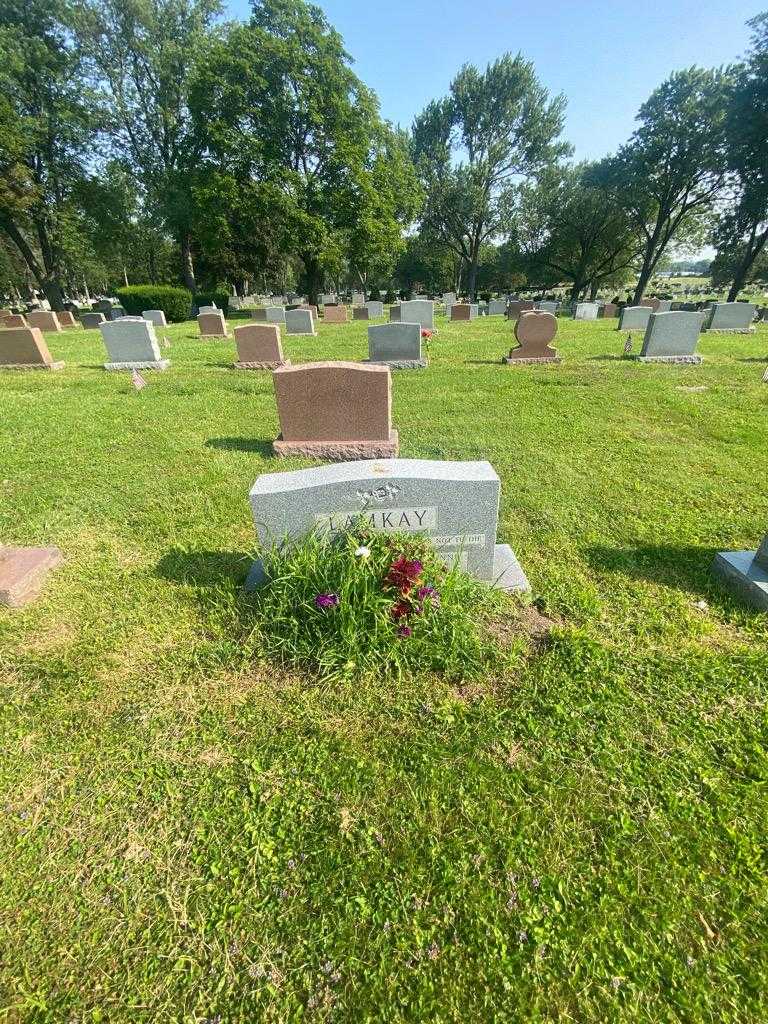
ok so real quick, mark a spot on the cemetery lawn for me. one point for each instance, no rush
(189, 834)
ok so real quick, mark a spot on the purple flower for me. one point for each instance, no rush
(324, 602)
(404, 631)
(424, 593)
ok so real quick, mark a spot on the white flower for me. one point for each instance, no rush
(363, 552)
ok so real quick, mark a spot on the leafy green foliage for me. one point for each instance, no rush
(218, 298)
(176, 303)
(374, 627)
(504, 125)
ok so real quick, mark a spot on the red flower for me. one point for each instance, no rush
(425, 333)
(403, 573)
(400, 609)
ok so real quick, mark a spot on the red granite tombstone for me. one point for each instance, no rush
(44, 319)
(652, 303)
(534, 330)
(609, 310)
(259, 348)
(67, 319)
(336, 411)
(14, 320)
(335, 314)
(461, 311)
(23, 572)
(24, 348)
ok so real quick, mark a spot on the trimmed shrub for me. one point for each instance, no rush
(213, 298)
(390, 297)
(176, 303)
(374, 295)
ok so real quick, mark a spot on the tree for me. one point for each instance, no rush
(48, 119)
(428, 263)
(742, 232)
(142, 54)
(294, 140)
(673, 169)
(505, 127)
(573, 227)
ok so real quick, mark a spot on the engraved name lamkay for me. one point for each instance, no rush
(410, 520)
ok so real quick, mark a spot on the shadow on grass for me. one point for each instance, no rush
(607, 359)
(240, 444)
(683, 567)
(754, 359)
(483, 362)
(204, 568)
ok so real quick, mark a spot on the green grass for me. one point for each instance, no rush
(191, 835)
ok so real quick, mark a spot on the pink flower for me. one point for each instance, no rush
(324, 602)
(404, 573)
(404, 631)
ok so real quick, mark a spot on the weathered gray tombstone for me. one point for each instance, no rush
(155, 316)
(132, 345)
(44, 320)
(449, 298)
(258, 347)
(664, 306)
(358, 299)
(418, 311)
(360, 313)
(275, 314)
(117, 313)
(212, 325)
(732, 317)
(395, 313)
(375, 309)
(547, 306)
(634, 318)
(24, 348)
(586, 311)
(497, 307)
(208, 309)
(91, 320)
(337, 411)
(454, 504)
(671, 338)
(745, 573)
(299, 321)
(397, 346)
(259, 315)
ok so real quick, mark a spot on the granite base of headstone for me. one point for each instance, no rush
(336, 411)
(534, 330)
(745, 573)
(454, 504)
(23, 572)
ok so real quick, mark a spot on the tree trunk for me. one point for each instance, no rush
(593, 291)
(187, 264)
(314, 279)
(47, 281)
(742, 271)
(472, 278)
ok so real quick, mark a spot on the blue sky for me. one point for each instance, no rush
(605, 55)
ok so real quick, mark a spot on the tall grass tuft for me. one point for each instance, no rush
(364, 603)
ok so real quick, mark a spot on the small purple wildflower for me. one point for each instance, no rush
(404, 631)
(324, 602)
(429, 593)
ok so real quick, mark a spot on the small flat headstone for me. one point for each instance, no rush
(23, 572)
(745, 573)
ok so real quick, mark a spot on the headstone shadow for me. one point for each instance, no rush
(241, 444)
(681, 567)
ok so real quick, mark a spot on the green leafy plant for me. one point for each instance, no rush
(176, 303)
(220, 299)
(366, 603)
(390, 297)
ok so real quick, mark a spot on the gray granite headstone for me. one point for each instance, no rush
(548, 307)
(634, 318)
(497, 307)
(132, 345)
(90, 320)
(664, 306)
(155, 316)
(299, 321)
(117, 313)
(395, 314)
(207, 309)
(586, 311)
(671, 337)
(456, 504)
(745, 573)
(418, 311)
(275, 314)
(449, 298)
(396, 345)
(375, 309)
(732, 316)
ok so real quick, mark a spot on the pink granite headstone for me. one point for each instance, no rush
(258, 347)
(23, 348)
(534, 330)
(44, 319)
